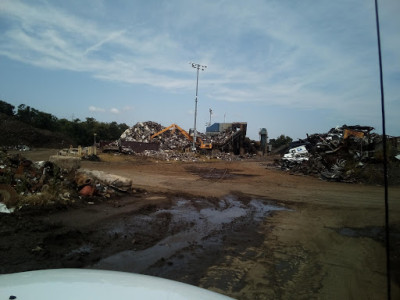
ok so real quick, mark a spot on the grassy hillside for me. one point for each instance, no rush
(14, 132)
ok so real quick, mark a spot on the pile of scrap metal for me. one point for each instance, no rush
(228, 137)
(335, 156)
(171, 155)
(141, 132)
(25, 183)
(138, 139)
(134, 140)
(150, 138)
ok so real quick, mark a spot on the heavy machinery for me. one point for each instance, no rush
(174, 127)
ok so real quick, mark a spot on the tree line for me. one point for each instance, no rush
(82, 132)
(281, 140)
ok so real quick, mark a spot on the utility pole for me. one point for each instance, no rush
(94, 144)
(198, 67)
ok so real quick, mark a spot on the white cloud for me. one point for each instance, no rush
(305, 54)
(83, 45)
(96, 109)
(99, 44)
(112, 110)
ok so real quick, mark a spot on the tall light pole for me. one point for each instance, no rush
(198, 67)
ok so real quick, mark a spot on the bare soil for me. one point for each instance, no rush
(239, 228)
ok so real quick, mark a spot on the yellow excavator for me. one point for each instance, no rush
(174, 127)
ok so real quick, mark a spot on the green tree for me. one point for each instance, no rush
(80, 132)
(24, 113)
(114, 131)
(122, 127)
(64, 126)
(43, 120)
(280, 141)
(6, 108)
(102, 132)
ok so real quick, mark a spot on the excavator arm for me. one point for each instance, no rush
(174, 127)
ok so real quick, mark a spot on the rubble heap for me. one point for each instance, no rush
(141, 132)
(170, 155)
(220, 139)
(345, 153)
(24, 183)
(169, 140)
(172, 141)
(40, 181)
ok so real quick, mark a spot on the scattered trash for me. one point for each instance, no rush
(104, 180)
(37, 249)
(4, 209)
(24, 183)
(23, 148)
(87, 190)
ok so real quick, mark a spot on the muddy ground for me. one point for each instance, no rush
(241, 228)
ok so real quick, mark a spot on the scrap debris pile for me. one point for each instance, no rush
(347, 154)
(171, 144)
(141, 132)
(169, 155)
(24, 183)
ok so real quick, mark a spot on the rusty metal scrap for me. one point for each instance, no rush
(41, 181)
(337, 155)
(170, 145)
(349, 132)
(26, 183)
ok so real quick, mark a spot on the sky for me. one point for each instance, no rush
(292, 67)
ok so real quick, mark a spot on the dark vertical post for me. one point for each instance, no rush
(387, 232)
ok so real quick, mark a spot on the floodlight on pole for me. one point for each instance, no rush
(198, 67)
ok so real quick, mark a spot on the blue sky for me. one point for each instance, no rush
(293, 67)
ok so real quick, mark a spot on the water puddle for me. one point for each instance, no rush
(193, 224)
(376, 233)
(82, 250)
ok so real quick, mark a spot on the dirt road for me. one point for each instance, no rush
(240, 228)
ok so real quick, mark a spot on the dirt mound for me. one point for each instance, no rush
(14, 132)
